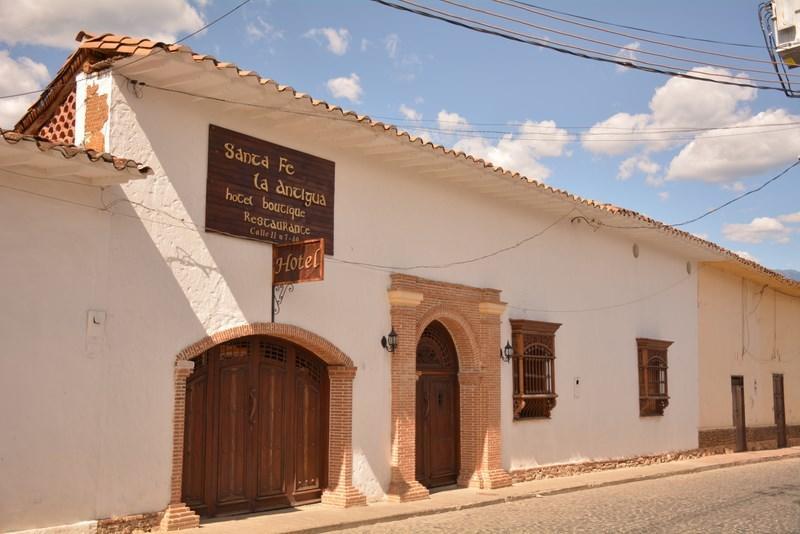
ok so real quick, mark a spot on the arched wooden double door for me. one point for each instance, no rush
(437, 408)
(256, 427)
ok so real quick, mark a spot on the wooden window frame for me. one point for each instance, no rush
(648, 354)
(539, 401)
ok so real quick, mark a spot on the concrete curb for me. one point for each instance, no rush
(399, 516)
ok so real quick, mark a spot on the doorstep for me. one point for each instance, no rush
(325, 518)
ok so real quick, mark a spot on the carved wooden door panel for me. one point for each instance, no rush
(310, 429)
(779, 409)
(270, 443)
(233, 429)
(437, 419)
(740, 430)
(255, 428)
(194, 437)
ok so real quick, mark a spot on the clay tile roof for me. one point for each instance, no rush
(72, 151)
(119, 46)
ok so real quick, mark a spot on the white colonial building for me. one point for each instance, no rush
(147, 374)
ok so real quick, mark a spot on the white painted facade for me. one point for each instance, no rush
(747, 329)
(87, 411)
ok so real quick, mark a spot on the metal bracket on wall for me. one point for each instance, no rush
(278, 292)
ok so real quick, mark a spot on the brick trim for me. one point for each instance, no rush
(758, 437)
(341, 372)
(472, 317)
(323, 348)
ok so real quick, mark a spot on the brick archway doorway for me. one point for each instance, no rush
(255, 427)
(340, 370)
(438, 413)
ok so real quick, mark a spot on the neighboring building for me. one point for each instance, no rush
(749, 357)
(145, 372)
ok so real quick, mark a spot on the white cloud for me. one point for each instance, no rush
(711, 158)
(261, 29)
(663, 195)
(640, 163)
(18, 76)
(392, 43)
(56, 23)
(758, 230)
(364, 45)
(519, 152)
(410, 113)
(746, 255)
(628, 53)
(678, 103)
(346, 87)
(338, 40)
(451, 122)
(790, 217)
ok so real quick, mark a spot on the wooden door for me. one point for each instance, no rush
(256, 427)
(778, 408)
(740, 430)
(437, 418)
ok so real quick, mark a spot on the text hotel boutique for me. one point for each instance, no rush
(143, 311)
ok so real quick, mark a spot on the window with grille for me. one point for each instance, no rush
(653, 392)
(534, 368)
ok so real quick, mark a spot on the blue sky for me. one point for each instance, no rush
(518, 105)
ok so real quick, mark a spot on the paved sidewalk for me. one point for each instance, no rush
(323, 518)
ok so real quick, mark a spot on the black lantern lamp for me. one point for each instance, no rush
(507, 353)
(389, 342)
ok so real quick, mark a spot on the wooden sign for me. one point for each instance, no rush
(298, 262)
(267, 192)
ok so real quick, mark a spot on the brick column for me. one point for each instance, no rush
(340, 491)
(469, 385)
(404, 486)
(492, 474)
(178, 516)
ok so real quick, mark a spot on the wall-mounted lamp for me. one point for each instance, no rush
(507, 353)
(389, 342)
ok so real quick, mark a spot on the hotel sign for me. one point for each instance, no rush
(267, 192)
(298, 262)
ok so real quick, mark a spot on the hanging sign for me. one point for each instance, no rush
(267, 192)
(295, 263)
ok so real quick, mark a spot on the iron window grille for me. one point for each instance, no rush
(653, 378)
(534, 368)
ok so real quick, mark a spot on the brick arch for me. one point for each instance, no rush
(472, 317)
(341, 372)
(462, 333)
(314, 343)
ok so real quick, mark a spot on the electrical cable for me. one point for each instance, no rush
(555, 45)
(581, 53)
(635, 28)
(605, 43)
(182, 39)
(525, 7)
(658, 226)
(606, 307)
(473, 133)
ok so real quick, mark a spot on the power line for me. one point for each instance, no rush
(658, 225)
(485, 134)
(635, 28)
(529, 8)
(603, 43)
(577, 51)
(556, 44)
(182, 39)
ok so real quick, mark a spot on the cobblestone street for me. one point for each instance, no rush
(753, 498)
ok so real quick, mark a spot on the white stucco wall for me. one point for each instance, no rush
(165, 285)
(748, 330)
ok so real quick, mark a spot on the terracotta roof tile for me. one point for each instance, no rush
(110, 42)
(72, 151)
